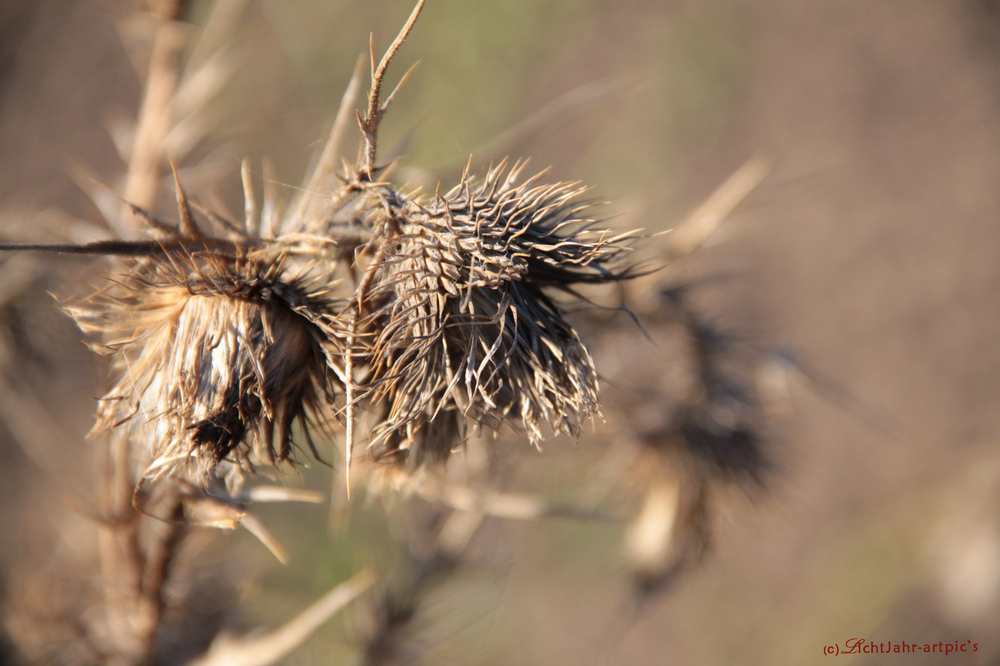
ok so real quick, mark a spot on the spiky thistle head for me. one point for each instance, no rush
(461, 321)
(217, 354)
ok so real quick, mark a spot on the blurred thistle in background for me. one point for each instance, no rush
(369, 306)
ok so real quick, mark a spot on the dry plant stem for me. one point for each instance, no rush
(119, 549)
(349, 398)
(155, 114)
(369, 125)
(158, 558)
(331, 152)
(188, 228)
(133, 582)
(111, 248)
(273, 646)
(700, 224)
(250, 201)
(218, 30)
(356, 306)
(436, 548)
(271, 210)
(134, 576)
(507, 505)
(485, 256)
(397, 610)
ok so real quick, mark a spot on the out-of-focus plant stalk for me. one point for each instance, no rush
(156, 112)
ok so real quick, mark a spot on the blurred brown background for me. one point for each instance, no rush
(871, 249)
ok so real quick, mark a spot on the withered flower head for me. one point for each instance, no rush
(218, 354)
(721, 433)
(462, 321)
(453, 318)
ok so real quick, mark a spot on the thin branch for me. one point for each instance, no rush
(357, 307)
(155, 114)
(262, 534)
(188, 228)
(120, 557)
(252, 223)
(273, 646)
(349, 398)
(125, 248)
(279, 494)
(370, 123)
(402, 82)
(159, 556)
(507, 505)
(696, 229)
(218, 32)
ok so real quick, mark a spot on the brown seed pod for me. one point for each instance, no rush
(218, 356)
(461, 320)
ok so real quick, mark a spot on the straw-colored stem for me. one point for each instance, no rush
(155, 115)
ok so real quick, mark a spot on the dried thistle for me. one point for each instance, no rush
(219, 352)
(462, 323)
(450, 319)
(221, 347)
(719, 423)
(713, 440)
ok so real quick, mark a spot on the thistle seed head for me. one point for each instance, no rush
(721, 434)
(217, 356)
(460, 318)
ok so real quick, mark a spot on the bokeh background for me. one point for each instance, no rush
(871, 250)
